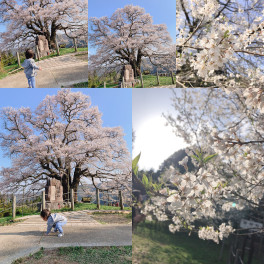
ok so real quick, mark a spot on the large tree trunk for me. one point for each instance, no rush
(136, 63)
(66, 190)
(136, 67)
(74, 186)
(51, 37)
(53, 40)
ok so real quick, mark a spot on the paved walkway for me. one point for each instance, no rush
(58, 71)
(27, 237)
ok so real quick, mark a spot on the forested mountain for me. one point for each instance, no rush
(172, 160)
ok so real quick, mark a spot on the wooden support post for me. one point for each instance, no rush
(104, 84)
(43, 200)
(230, 260)
(72, 199)
(123, 82)
(251, 251)
(75, 44)
(172, 78)
(222, 250)
(244, 247)
(18, 59)
(237, 256)
(121, 200)
(97, 198)
(141, 81)
(37, 51)
(57, 47)
(14, 207)
(158, 81)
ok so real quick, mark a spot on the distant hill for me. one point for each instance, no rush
(172, 160)
(64, 40)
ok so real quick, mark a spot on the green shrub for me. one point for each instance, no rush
(62, 46)
(7, 214)
(146, 72)
(18, 212)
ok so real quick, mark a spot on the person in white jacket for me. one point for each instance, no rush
(30, 68)
(53, 220)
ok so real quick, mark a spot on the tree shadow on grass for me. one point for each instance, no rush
(156, 246)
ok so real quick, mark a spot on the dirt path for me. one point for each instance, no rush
(82, 229)
(56, 72)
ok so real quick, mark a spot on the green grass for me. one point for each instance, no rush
(152, 246)
(160, 246)
(98, 254)
(3, 75)
(81, 255)
(109, 85)
(151, 81)
(87, 206)
(148, 80)
(9, 221)
(81, 85)
(71, 50)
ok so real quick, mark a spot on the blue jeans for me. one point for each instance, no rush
(31, 82)
(59, 225)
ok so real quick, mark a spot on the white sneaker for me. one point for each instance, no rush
(60, 234)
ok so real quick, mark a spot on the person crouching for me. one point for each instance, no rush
(53, 220)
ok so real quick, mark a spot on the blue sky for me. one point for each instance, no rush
(163, 12)
(114, 103)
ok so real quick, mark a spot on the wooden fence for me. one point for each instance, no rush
(246, 249)
(41, 204)
(157, 75)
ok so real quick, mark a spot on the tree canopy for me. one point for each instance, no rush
(63, 138)
(26, 19)
(128, 37)
(224, 130)
(220, 43)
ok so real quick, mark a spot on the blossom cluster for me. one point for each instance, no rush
(221, 42)
(224, 129)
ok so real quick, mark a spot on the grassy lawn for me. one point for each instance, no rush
(80, 255)
(152, 246)
(148, 80)
(151, 81)
(111, 218)
(71, 50)
(109, 85)
(77, 85)
(3, 75)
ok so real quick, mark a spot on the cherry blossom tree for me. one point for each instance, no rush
(26, 19)
(128, 37)
(225, 132)
(63, 138)
(220, 43)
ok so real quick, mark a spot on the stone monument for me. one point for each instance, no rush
(128, 74)
(54, 194)
(43, 45)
